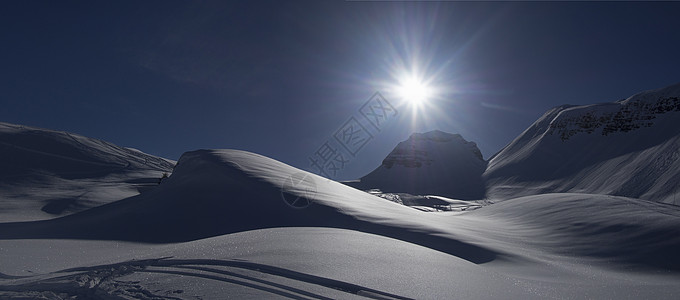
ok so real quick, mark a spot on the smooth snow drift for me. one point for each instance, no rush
(47, 173)
(229, 223)
(215, 192)
(544, 246)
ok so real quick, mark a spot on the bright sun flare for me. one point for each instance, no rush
(414, 91)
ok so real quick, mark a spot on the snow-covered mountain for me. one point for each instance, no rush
(235, 223)
(52, 173)
(435, 162)
(626, 148)
(215, 192)
(629, 148)
(224, 222)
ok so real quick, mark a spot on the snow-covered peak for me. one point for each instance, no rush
(433, 162)
(638, 111)
(653, 95)
(422, 148)
(435, 135)
(30, 150)
(628, 148)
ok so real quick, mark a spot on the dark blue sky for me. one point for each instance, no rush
(279, 78)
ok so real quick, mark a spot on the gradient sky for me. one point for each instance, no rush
(279, 78)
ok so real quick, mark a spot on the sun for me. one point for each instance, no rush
(414, 91)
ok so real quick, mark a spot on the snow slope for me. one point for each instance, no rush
(628, 148)
(214, 192)
(301, 263)
(234, 224)
(435, 163)
(219, 227)
(52, 173)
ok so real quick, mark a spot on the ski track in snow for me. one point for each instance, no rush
(107, 280)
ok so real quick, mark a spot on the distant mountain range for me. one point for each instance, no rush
(626, 148)
(80, 217)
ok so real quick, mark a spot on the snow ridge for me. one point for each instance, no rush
(28, 144)
(627, 148)
(47, 173)
(630, 115)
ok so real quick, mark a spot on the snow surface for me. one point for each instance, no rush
(627, 148)
(427, 202)
(47, 173)
(219, 228)
(82, 218)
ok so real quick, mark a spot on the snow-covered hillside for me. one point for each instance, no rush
(215, 192)
(629, 148)
(230, 223)
(435, 163)
(51, 173)
(239, 237)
